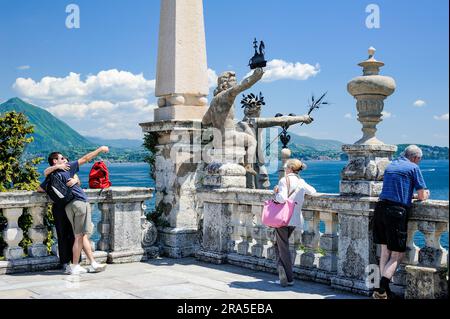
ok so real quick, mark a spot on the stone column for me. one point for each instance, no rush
(362, 179)
(104, 226)
(177, 174)
(368, 157)
(37, 232)
(285, 154)
(13, 235)
(181, 78)
(329, 242)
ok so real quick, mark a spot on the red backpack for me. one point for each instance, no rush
(99, 176)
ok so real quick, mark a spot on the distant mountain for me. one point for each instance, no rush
(317, 144)
(53, 134)
(118, 143)
(308, 148)
(429, 152)
(50, 133)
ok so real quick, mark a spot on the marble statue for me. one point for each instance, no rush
(252, 124)
(221, 116)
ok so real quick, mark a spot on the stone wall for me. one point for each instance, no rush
(343, 255)
(125, 233)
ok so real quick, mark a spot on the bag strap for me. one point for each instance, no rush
(289, 186)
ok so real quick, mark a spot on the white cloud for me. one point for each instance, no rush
(348, 116)
(280, 70)
(23, 67)
(110, 84)
(443, 117)
(212, 78)
(80, 110)
(109, 104)
(386, 114)
(419, 103)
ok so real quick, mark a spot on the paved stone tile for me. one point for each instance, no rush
(188, 290)
(16, 294)
(30, 284)
(146, 280)
(98, 293)
(154, 293)
(163, 278)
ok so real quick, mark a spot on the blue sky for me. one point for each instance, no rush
(119, 38)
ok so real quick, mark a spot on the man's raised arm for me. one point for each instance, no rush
(248, 82)
(90, 156)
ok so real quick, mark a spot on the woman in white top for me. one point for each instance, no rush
(297, 188)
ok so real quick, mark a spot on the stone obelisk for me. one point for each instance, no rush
(181, 77)
(181, 88)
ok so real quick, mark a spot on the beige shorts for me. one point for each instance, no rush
(79, 215)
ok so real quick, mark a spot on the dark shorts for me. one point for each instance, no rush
(391, 225)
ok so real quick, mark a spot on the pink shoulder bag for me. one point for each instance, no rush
(278, 215)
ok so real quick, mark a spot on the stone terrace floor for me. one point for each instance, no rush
(163, 278)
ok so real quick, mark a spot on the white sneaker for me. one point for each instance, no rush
(77, 270)
(66, 269)
(96, 267)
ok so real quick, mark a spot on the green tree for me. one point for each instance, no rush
(16, 174)
(15, 134)
(150, 142)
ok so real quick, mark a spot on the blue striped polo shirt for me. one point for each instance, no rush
(401, 178)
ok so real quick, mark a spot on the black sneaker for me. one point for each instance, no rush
(379, 295)
(391, 295)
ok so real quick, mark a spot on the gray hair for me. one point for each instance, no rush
(412, 151)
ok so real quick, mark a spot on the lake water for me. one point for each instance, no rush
(323, 175)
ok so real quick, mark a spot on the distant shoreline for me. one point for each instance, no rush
(306, 160)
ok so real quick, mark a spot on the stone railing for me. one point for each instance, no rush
(341, 255)
(125, 234)
(425, 270)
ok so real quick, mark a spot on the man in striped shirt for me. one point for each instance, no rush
(401, 178)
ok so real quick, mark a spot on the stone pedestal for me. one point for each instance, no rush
(216, 233)
(178, 172)
(125, 223)
(426, 283)
(121, 226)
(363, 175)
(222, 169)
(181, 77)
(285, 154)
(368, 157)
(355, 250)
(225, 176)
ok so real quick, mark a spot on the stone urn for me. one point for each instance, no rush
(370, 90)
(368, 157)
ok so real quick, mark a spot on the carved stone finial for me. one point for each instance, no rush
(370, 90)
(372, 51)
